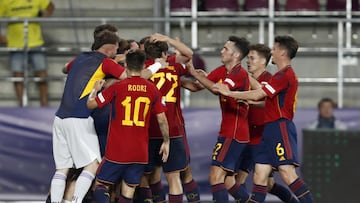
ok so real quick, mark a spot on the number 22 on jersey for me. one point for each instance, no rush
(162, 78)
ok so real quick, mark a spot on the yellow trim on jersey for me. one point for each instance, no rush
(98, 75)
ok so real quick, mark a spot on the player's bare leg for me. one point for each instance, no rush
(115, 192)
(127, 192)
(175, 186)
(261, 176)
(69, 190)
(241, 177)
(186, 175)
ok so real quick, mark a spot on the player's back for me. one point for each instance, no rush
(168, 82)
(80, 76)
(135, 99)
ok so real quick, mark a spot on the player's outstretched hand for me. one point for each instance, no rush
(221, 88)
(164, 151)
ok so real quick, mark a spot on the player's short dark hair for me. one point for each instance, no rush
(263, 51)
(135, 60)
(155, 49)
(98, 29)
(105, 37)
(288, 43)
(124, 45)
(144, 39)
(326, 100)
(241, 44)
(132, 40)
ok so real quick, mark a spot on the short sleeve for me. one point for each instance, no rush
(105, 96)
(238, 82)
(110, 67)
(277, 83)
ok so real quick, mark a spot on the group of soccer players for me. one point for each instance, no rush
(141, 123)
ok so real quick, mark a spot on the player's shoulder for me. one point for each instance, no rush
(289, 72)
(239, 72)
(284, 73)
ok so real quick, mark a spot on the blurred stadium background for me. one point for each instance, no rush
(327, 66)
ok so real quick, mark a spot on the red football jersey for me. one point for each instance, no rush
(256, 116)
(234, 122)
(167, 80)
(134, 99)
(282, 92)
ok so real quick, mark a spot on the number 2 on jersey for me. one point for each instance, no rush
(128, 121)
(216, 150)
(169, 97)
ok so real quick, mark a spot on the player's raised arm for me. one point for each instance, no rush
(151, 70)
(184, 52)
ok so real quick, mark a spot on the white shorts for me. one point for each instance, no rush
(75, 142)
